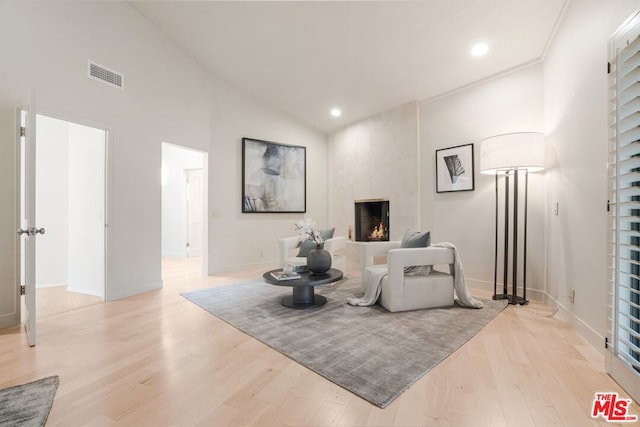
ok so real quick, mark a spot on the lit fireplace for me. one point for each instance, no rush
(378, 233)
(372, 220)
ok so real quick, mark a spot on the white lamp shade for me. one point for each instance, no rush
(512, 151)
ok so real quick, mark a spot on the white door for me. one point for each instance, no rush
(28, 231)
(194, 213)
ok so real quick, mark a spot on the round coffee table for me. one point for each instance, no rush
(303, 288)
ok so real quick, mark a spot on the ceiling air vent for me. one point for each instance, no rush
(105, 75)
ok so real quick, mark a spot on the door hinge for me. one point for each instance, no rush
(606, 342)
(608, 205)
(22, 290)
(23, 131)
(608, 67)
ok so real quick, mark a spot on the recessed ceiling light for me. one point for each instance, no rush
(335, 112)
(479, 49)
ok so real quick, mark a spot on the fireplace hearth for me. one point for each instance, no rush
(372, 220)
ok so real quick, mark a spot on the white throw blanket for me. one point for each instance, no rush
(372, 277)
(460, 282)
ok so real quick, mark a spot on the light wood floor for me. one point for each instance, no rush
(57, 300)
(159, 360)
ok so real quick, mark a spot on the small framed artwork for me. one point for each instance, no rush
(454, 169)
(273, 177)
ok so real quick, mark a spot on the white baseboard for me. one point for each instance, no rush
(50, 285)
(563, 313)
(9, 320)
(532, 294)
(131, 291)
(85, 291)
(579, 325)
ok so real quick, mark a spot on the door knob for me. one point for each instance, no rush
(37, 230)
(21, 231)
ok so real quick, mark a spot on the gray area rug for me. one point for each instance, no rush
(29, 404)
(367, 350)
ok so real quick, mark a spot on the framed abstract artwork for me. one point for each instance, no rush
(454, 169)
(273, 177)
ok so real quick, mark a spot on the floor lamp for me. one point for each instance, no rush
(512, 155)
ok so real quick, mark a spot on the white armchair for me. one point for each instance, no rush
(288, 248)
(400, 291)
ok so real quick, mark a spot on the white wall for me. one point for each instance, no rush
(163, 99)
(385, 157)
(237, 239)
(175, 160)
(509, 103)
(9, 272)
(576, 106)
(86, 209)
(166, 97)
(377, 158)
(52, 201)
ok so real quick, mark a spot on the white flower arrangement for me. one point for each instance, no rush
(307, 231)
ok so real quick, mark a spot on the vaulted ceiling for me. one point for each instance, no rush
(307, 57)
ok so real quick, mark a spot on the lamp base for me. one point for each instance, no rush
(500, 296)
(516, 300)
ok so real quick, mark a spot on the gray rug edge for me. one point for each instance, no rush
(186, 296)
(418, 378)
(382, 404)
(51, 382)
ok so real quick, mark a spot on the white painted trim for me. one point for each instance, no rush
(14, 318)
(579, 325)
(84, 291)
(625, 376)
(205, 219)
(495, 76)
(9, 320)
(108, 194)
(134, 290)
(50, 285)
(419, 166)
(532, 294)
(554, 31)
(562, 313)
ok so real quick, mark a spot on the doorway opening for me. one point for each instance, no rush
(184, 205)
(70, 201)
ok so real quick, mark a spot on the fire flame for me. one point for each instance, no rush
(378, 232)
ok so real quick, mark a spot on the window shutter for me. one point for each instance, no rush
(623, 348)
